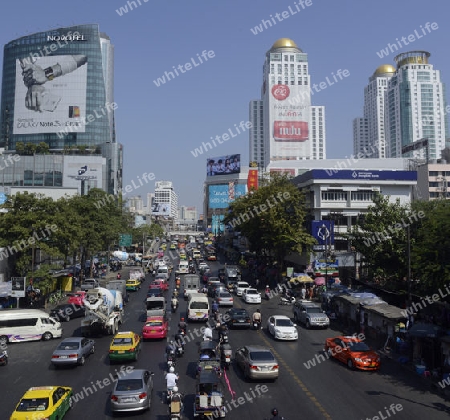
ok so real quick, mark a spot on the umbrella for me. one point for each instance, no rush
(319, 281)
(301, 279)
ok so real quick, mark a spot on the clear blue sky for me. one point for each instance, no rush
(159, 126)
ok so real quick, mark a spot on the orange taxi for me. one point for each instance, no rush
(352, 351)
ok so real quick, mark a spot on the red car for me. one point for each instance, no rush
(159, 283)
(352, 351)
(155, 327)
(77, 298)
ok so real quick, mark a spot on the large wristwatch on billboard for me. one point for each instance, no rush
(49, 73)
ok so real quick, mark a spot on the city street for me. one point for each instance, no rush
(328, 390)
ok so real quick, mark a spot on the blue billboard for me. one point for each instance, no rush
(220, 196)
(358, 174)
(323, 231)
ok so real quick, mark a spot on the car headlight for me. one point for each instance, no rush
(357, 359)
(277, 331)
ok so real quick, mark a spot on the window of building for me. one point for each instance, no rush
(362, 195)
(331, 195)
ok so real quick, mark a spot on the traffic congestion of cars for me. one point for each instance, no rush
(134, 389)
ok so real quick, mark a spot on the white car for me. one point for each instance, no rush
(251, 296)
(203, 266)
(282, 328)
(240, 286)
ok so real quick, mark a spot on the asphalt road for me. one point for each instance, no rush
(328, 390)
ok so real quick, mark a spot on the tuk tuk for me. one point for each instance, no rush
(209, 358)
(209, 398)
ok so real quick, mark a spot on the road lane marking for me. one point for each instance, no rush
(303, 387)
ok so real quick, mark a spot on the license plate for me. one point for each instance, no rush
(241, 320)
(372, 365)
(121, 351)
(127, 400)
(152, 331)
(265, 368)
(199, 314)
(63, 357)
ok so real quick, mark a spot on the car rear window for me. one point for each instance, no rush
(314, 310)
(154, 324)
(261, 356)
(122, 341)
(69, 346)
(224, 295)
(129, 385)
(198, 305)
(33, 404)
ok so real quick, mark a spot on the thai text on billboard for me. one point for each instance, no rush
(50, 94)
(289, 110)
(223, 165)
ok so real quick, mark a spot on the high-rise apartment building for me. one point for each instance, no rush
(369, 133)
(415, 107)
(284, 124)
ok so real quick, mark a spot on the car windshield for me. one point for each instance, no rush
(314, 311)
(122, 341)
(283, 323)
(69, 346)
(33, 404)
(153, 324)
(261, 355)
(358, 347)
(129, 385)
(240, 314)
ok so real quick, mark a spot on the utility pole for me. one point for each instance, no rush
(408, 245)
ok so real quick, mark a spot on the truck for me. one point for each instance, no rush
(137, 274)
(89, 284)
(120, 285)
(104, 312)
(191, 284)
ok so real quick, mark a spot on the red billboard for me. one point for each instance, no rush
(252, 180)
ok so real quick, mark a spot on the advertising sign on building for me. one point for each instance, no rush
(289, 111)
(223, 165)
(219, 195)
(323, 231)
(50, 94)
(18, 286)
(252, 180)
(161, 209)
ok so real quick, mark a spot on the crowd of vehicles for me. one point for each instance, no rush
(103, 313)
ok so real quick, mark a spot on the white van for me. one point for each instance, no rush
(198, 307)
(196, 254)
(183, 267)
(17, 325)
(163, 270)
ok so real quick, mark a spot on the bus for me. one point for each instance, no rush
(17, 325)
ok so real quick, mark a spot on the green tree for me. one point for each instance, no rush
(30, 149)
(43, 148)
(20, 148)
(272, 218)
(381, 237)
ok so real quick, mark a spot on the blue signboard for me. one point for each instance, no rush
(3, 198)
(323, 231)
(358, 174)
(219, 195)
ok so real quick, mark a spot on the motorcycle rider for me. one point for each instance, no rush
(208, 334)
(257, 317)
(275, 415)
(223, 330)
(171, 348)
(174, 302)
(182, 325)
(215, 307)
(171, 379)
(176, 397)
(267, 292)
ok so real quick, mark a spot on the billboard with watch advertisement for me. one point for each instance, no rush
(220, 196)
(289, 113)
(50, 94)
(161, 209)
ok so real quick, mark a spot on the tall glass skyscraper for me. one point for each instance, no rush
(58, 89)
(415, 107)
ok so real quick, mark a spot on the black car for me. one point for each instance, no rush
(67, 311)
(238, 318)
(155, 292)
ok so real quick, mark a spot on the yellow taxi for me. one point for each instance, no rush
(125, 346)
(173, 246)
(133, 284)
(44, 402)
(164, 247)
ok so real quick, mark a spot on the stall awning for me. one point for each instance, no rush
(424, 331)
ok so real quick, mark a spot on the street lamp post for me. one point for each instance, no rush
(325, 237)
(408, 247)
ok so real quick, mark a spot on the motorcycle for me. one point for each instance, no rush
(174, 305)
(267, 294)
(171, 357)
(175, 405)
(4, 358)
(119, 276)
(256, 325)
(287, 301)
(225, 355)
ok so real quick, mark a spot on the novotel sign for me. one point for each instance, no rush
(66, 38)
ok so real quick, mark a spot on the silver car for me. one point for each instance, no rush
(257, 362)
(132, 391)
(73, 351)
(223, 298)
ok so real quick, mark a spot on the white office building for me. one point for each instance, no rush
(369, 133)
(415, 107)
(285, 126)
(165, 202)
